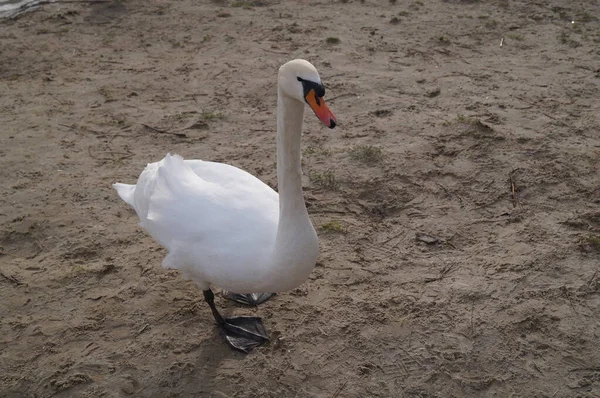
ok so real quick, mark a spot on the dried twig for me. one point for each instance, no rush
(513, 189)
(339, 390)
(142, 329)
(156, 130)
(390, 238)
(472, 326)
(124, 155)
(274, 51)
(589, 284)
(443, 273)
(489, 220)
(341, 96)
(546, 113)
(336, 75)
(13, 279)
(261, 130)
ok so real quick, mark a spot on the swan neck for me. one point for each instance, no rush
(290, 114)
(296, 246)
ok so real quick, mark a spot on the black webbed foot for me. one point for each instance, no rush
(252, 299)
(244, 332)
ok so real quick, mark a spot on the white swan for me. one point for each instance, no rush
(224, 227)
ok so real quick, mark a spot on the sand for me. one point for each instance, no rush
(457, 202)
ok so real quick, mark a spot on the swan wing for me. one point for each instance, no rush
(216, 220)
(222, 199)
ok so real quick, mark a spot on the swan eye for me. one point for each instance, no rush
(309, 85)
(320, 90)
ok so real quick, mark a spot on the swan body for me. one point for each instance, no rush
(222, 226)
(218, 223)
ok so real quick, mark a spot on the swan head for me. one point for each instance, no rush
(299, 79)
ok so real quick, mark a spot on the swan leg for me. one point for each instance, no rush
(252, 299)
(241, 332)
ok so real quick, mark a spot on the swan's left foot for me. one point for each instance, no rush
(252, 299)
(243, 332)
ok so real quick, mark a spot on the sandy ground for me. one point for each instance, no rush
(457, 203)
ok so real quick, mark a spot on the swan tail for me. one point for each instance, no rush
(125, 191)
(175, 182)
(174, 201)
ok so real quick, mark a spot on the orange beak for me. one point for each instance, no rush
(317, 104)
